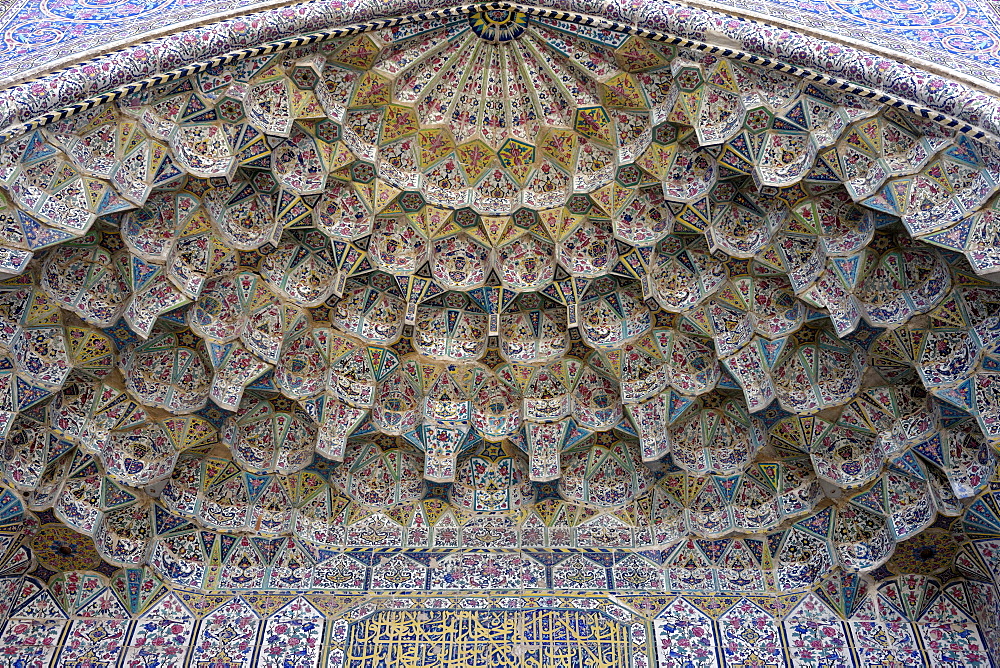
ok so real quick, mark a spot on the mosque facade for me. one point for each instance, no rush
(605, 333)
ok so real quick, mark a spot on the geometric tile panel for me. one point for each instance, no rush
(184, 628)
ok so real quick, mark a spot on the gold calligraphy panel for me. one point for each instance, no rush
(473, 638)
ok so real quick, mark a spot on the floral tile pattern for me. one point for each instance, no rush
(914, 88)
(959, 34)
(498, 337)
(35, 33)
(83, 617)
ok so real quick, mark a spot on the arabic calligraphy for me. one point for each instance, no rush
(461, 639)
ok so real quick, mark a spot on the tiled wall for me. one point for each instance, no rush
(85, 620)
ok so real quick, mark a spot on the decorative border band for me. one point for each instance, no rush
(64, 92)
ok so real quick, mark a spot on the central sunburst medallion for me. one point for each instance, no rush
(498, 25)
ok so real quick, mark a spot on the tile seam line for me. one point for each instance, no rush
(320, 36)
